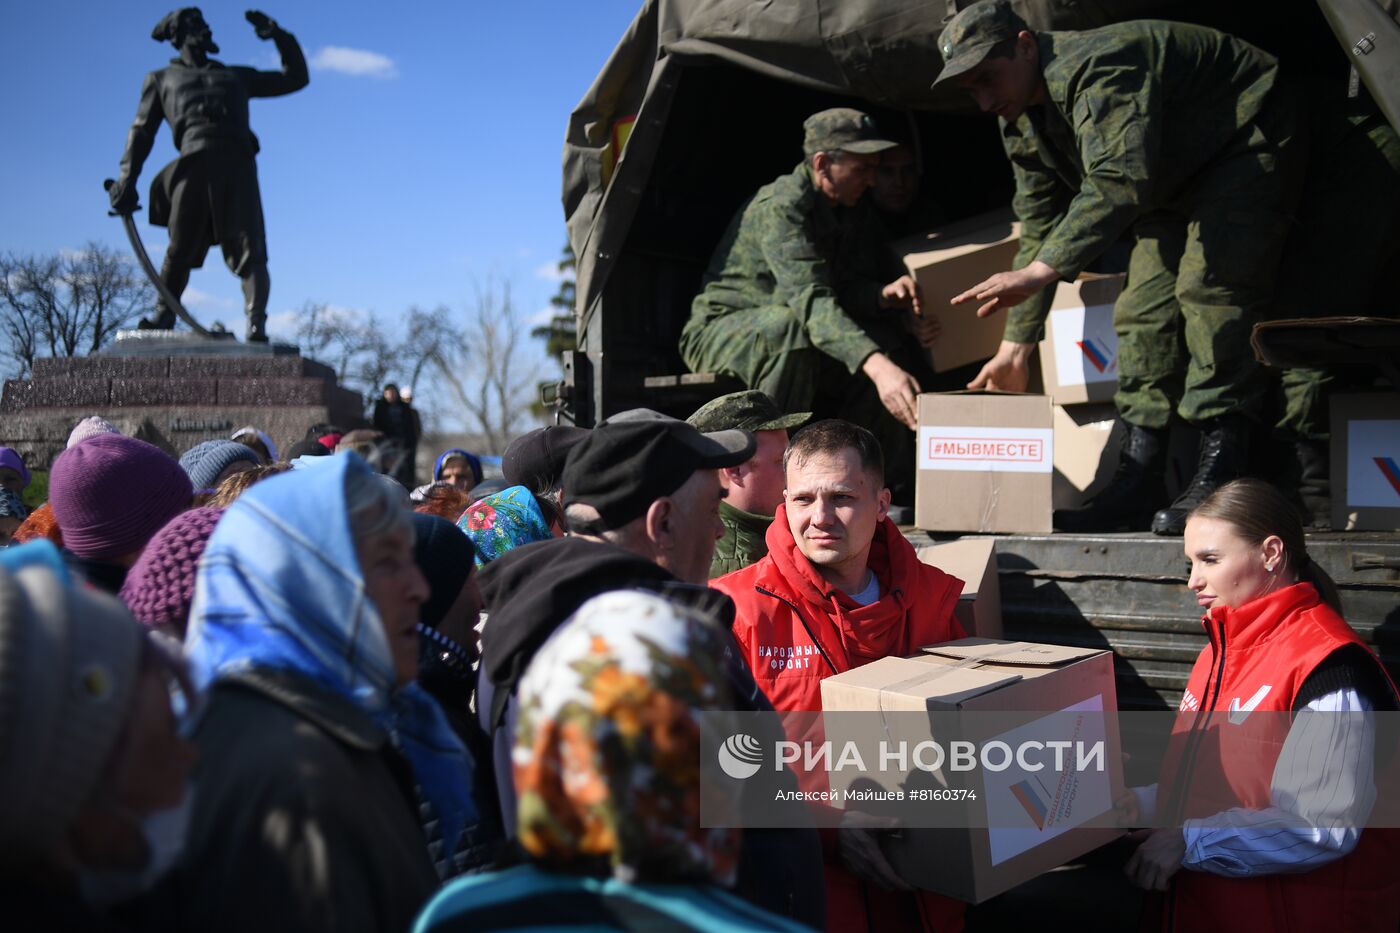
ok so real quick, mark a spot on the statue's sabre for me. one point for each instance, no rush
(140, 250)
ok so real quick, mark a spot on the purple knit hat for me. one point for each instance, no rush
(111, 493)
(160, 587)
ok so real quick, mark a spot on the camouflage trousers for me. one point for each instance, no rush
(1200, 276)
(1348, 237)
(767, 348)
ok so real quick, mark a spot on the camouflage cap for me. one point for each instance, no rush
(842, 128)
(750, 410)
(970, 35)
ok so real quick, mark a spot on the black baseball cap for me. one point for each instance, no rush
(536, 459)
(622, 467)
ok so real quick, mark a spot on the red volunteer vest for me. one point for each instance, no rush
(1259, 656)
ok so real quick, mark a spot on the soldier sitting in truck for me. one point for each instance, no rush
(801, 297)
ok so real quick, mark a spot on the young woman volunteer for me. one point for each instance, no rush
(1269, 778)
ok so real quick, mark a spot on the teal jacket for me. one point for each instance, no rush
(530, 898)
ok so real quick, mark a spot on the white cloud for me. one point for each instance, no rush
(541, 317)
(551, 272)
(358, 63)
(195, 300)
(283, 325)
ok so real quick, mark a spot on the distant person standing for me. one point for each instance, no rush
(395, 420)
(415, 433)
(210, 193)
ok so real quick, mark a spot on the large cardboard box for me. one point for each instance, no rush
(949, 261)
(1366, 462)
(973, 561)
(1079, 355)
(1087, 441)
(1027, 827)
(984, 462)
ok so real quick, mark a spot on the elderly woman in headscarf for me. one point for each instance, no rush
(13, 512)
(331, 787)
(504, 521)
(607, 772)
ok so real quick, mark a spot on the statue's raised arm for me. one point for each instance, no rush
(293, 76)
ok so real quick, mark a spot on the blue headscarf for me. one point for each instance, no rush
(473, 461)
(280, 587)
(504, 521)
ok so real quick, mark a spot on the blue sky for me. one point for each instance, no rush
(424, 156)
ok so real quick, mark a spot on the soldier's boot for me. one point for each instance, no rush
(1126, 503)
(1224, 454)
(1312, 483)
(257, 329)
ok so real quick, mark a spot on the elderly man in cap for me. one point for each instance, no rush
(1180, 139)
(803, 299)
(754, 488)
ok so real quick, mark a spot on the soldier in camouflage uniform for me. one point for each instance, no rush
(803, 294)
(1177, 136)
(755, 487)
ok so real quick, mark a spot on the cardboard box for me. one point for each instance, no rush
(949, 261)
(984, 462)
(1366, 462)
(1079, 355)
(973, 561)
(1087, 441)
(1022, 837)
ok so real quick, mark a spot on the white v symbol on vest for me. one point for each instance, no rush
(1238, 713)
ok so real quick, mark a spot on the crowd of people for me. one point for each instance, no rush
(286, 695)
(247, 688)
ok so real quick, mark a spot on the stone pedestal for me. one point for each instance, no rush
(174, 390)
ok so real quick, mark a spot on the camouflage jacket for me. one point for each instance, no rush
(788, 246)
(1135, 111)
(743, 542)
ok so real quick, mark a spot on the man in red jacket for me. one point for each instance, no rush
(841, 587)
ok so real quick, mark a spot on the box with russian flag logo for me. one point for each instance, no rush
(985, 462)
(1009, 824)
(1366, 462)
(1079, 355)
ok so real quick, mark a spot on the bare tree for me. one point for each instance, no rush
(67, 304)
(483, 367)
(351, 342)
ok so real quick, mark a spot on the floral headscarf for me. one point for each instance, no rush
(503, 521)
(607, 747)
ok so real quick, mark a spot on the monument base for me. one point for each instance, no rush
(183, 343)
(174, 389)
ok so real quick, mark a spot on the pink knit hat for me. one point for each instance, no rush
(160, 587)
(111, 493)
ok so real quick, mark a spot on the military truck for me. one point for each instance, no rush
(702, 102)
